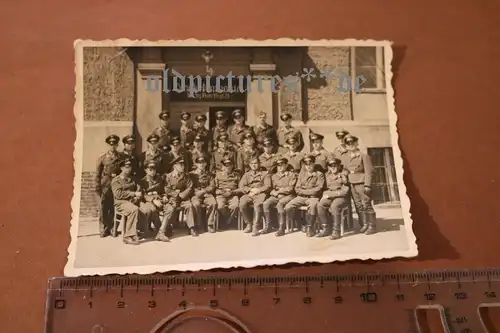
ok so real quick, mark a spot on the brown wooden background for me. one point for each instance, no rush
(447, 98)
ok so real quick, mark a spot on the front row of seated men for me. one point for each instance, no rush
(220, 197)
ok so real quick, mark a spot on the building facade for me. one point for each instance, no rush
(117, 99)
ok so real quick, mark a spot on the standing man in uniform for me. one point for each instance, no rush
(200, 129)
(263, 130)
(128, 201)
(360, 168)
(255, 185)
(107, 168)
(320, 154)
(153, 153)
(177, 150)
(287, 131)
(178, 190)
(163, 131)
(186, 133)
(334, 199)
(283, 182)
(340, 149)
(219, 128)
(223, 151)
(247, 152)
(238, 130)
(310, 184)
(226, 191)
(268, 157)
(294, 156)
(204, 189)
(129, 153)
(153, 188)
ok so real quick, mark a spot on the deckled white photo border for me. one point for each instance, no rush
(71, 271)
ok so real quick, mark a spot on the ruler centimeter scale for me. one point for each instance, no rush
(459, 301)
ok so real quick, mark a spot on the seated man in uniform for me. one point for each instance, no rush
(283, 182)
(294, 156)
(153, 189)
(309, 186)
(247, 152)
(321, 154)
(255, 185)
(268, 157)
(226, 191)
(335, 198)
(178, 189)
(127, 196)
(222, 152)
(204, 188)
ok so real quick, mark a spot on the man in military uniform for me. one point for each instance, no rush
(201, 130)
(294, 156)
(163, 131)
(186, 133)
(153, 153)
(321, 155)
(287, 131)
(263, 130)
(255, 185)
(128, 202)
(268, 157)
(107, 169)
(245, 153)
(198, 149)
(360, 168)
(283, 183)
(340, 149)
(178, 190)
(226, 191)
(177, 150)
(129, 153)
(204, 189)
(220, 127)
(310, 184)
(223, 151)
(238, 130)
(153, 188)
(334, 199)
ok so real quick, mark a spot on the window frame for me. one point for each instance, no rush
(380, 70)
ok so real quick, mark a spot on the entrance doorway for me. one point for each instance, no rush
(227, 110)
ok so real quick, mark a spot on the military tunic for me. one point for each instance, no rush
(244, 156)
(283, 189)
(172, 155)
(294, 159)
(153, 190)
(214, 135)
(335, 196)
(178, 189)
(263, 131)
(128, 204)
(255, 186)
(158, 157)
(267, 161)
(360, 169)
(219, 155)
(205, 135)
(187, 135)
(107, 168)
(165, 135)
(308, 189)
(134, 159)
(236, 133)
(204, 189)
(284, 133)
(321, 157)
(227, 195)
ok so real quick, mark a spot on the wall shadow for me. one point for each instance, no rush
(398, 54)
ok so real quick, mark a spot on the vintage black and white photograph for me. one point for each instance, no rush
(194, 155)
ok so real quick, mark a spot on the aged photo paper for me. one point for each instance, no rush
(193, 155)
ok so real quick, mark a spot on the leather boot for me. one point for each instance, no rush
(193, 232)
(248, 228)
(325, 231)
(282, 222)
(309, 226)
(163, 232)
(337, 220)
(257, 217)
(371, 220)
(267, 223)
(363, 222)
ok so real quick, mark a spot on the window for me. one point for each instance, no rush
(384, 183)
(369, 63)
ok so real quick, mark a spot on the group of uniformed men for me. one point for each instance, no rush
(218, 173)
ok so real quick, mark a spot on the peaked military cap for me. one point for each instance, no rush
(316, 136)
(227, 161)
(333, 161)
(285, 116)
(178, 160)
(176, 140)
(112, 139)
(200, 159)
(309, 159)
(350, 138)
(198, 138)
(341, 133)
(223, 137)
(281, 160)
(237, 113)
(220, 114)
(153, 138)
(150, 165)
(128, 139)
(200, 118)
(164, 115)
(185, 116)
(126, 162)
(268, 142)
